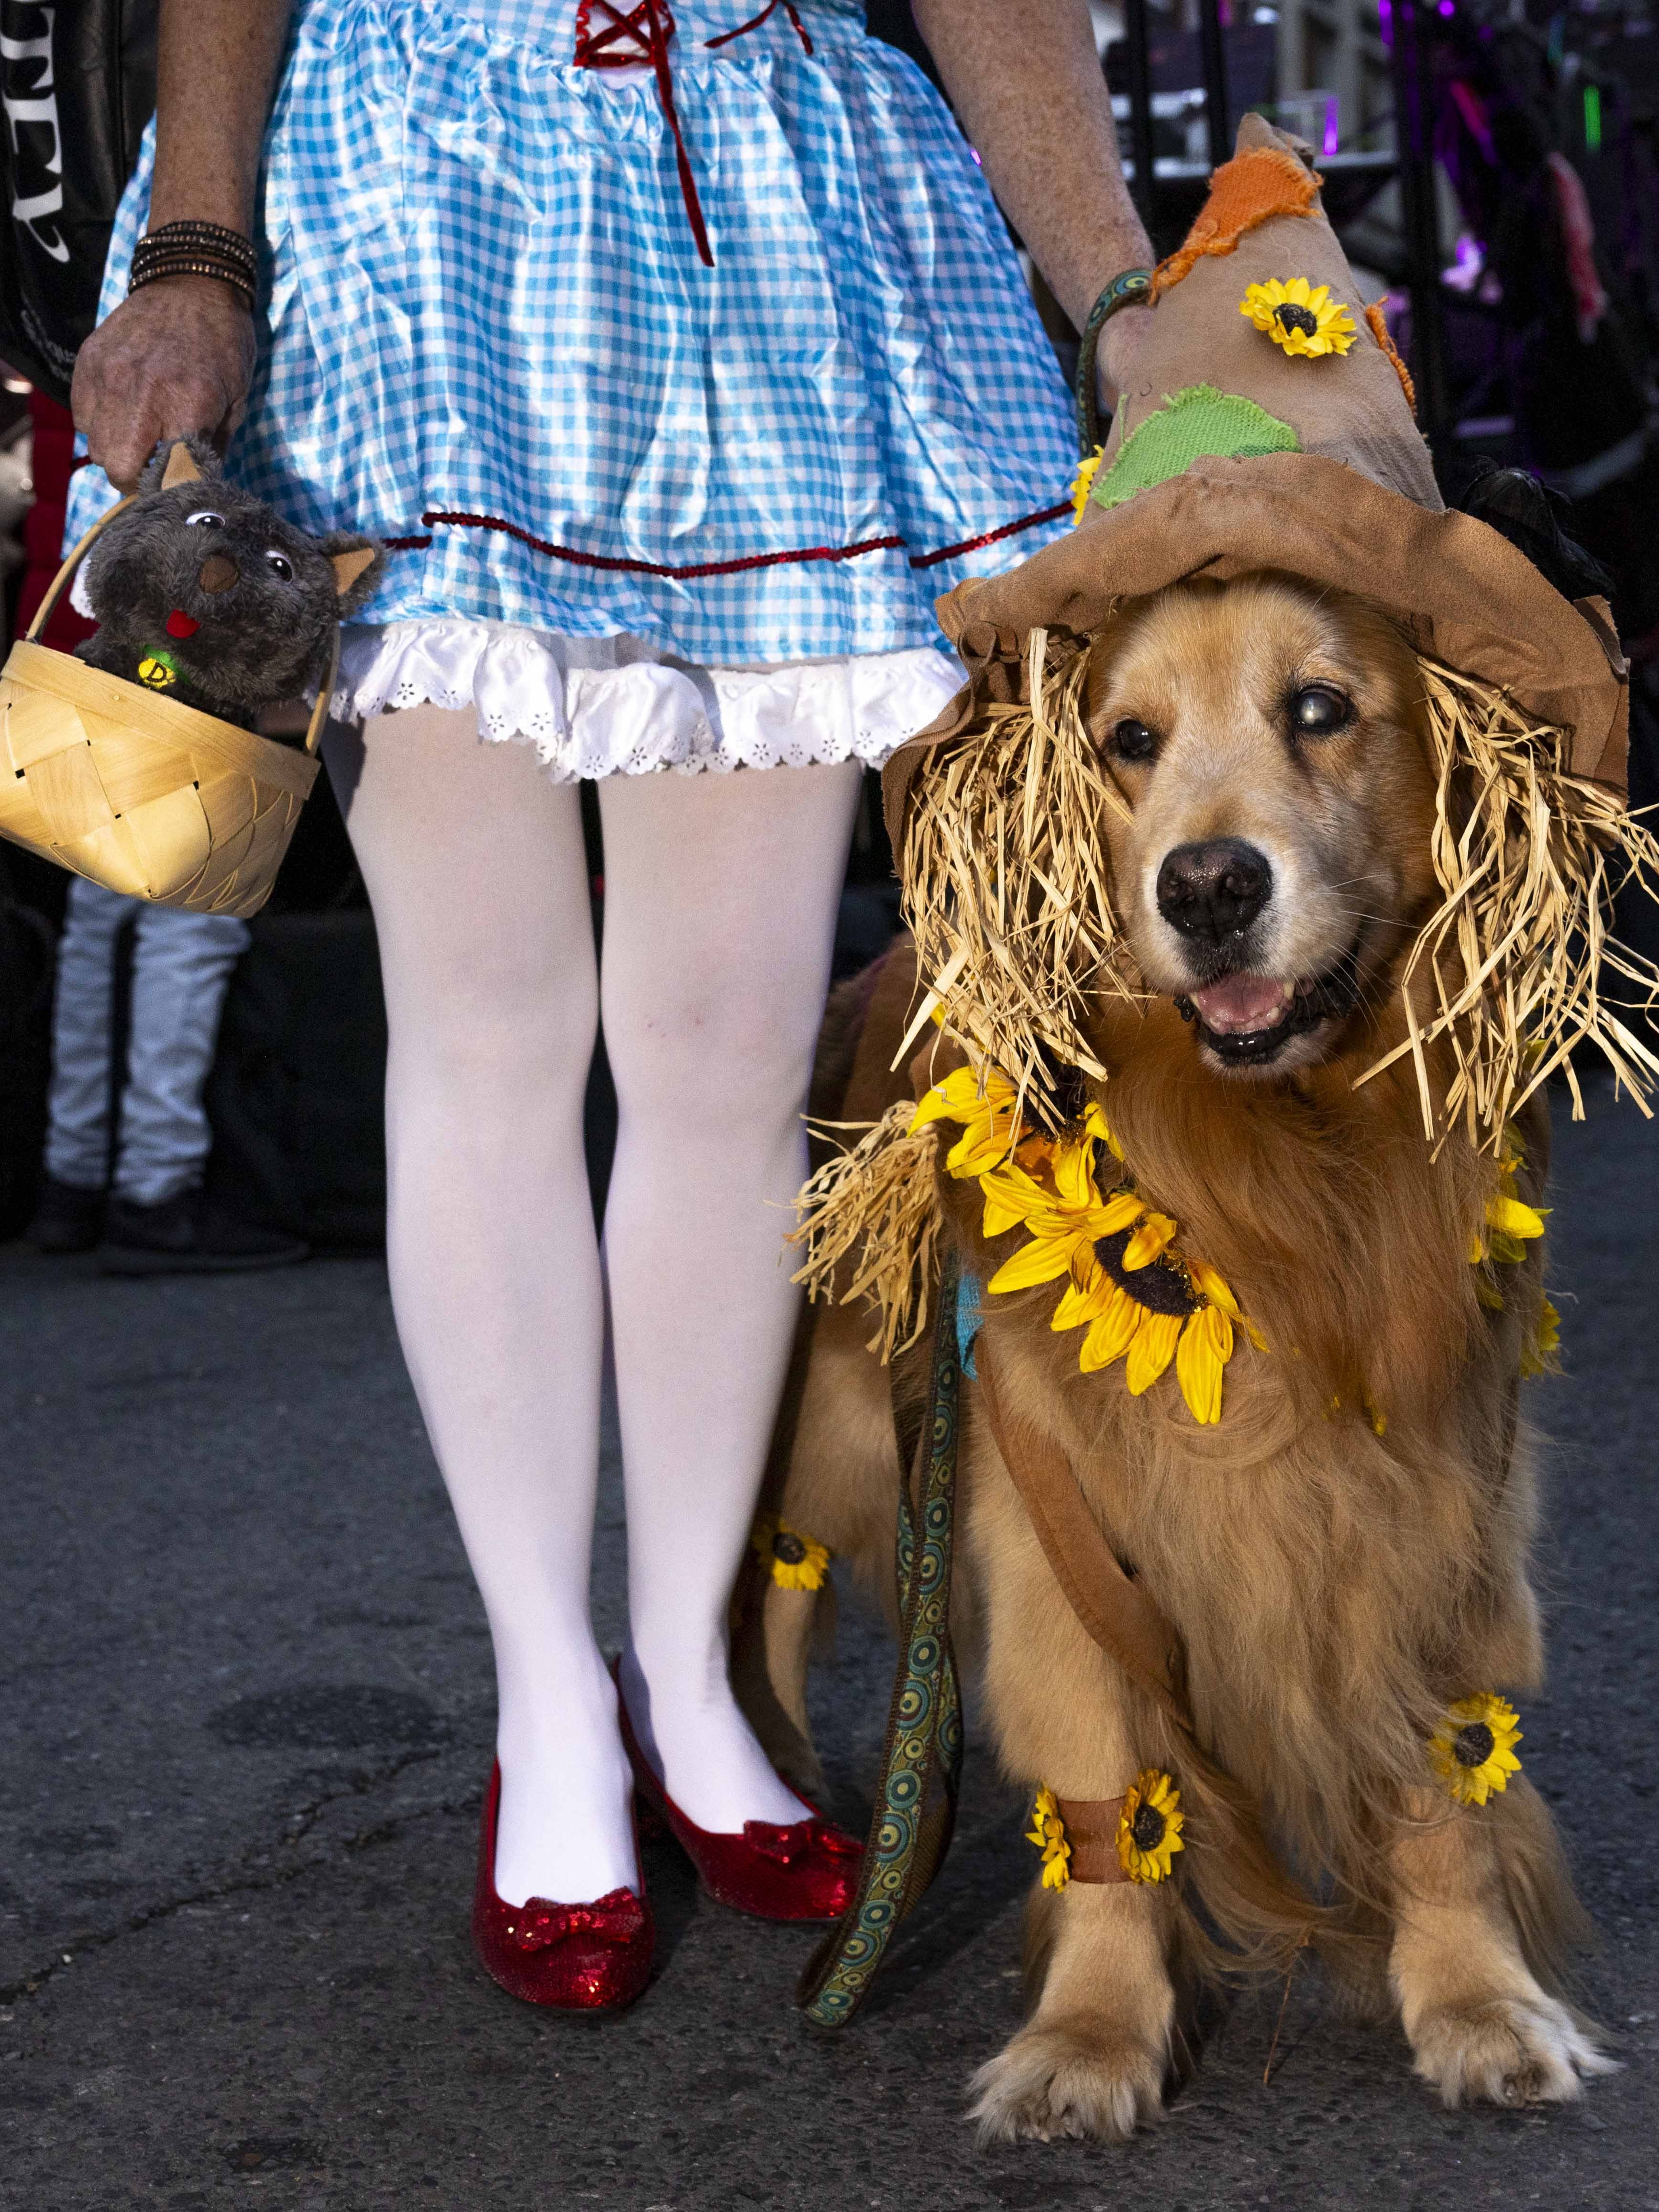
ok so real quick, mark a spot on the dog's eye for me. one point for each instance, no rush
(279, 565)
(1134, 741)
(1319, 708)
(205, 519)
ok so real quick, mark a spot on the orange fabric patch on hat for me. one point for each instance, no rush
(1250, 189)
(1379, 328)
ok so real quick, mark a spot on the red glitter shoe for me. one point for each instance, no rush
(583, 1958)
(806, 1871)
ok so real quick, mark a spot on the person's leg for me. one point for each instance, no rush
(721, 901)
(77, 1127)
(181, 968)
(476, 870)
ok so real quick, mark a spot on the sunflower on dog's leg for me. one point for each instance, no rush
(1101, 1957)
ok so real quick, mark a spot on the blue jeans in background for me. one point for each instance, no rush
(181, 965)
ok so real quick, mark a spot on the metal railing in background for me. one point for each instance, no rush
(1168, 191)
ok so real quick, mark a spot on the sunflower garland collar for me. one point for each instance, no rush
(1136, 1296)
(1133, 1838)
(1508, 1226)
(1472, 1750)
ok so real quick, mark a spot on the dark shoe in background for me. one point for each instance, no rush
(187, 1235)
(67, 1219)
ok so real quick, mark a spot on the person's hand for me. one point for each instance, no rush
(1121, 343)
(176, 357)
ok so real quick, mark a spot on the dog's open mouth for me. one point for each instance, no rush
(1249, 1019)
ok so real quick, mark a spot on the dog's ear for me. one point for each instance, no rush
(181, 461)
(358, 563)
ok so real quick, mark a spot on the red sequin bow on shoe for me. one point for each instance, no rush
(801, 1840)
(639, 38)
(616, 1918)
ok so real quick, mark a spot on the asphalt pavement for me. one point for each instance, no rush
(247, 1714)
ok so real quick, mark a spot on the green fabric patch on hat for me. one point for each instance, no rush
(1200, 420)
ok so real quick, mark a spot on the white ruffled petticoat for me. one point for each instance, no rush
(594, 706)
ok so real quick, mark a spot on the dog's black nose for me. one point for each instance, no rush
(1214, 888)
(219, 573)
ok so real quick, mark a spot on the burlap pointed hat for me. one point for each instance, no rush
(1349, 499)
(1237, 451)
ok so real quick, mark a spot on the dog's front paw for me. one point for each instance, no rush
(1513, 2051)
(1085, 2076)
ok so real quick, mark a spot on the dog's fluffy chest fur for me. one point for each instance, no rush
(1326, 1550)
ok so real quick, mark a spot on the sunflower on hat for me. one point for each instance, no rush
(1302, 318)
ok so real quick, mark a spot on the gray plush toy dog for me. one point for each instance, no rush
(205, 594)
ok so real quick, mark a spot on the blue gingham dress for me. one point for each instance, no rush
(494, 342)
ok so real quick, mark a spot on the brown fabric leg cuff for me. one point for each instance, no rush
(1090, 1825)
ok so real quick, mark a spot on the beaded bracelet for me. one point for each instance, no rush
(1130, 288)
(212, 238)
(196, 249)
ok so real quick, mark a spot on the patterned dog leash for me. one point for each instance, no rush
(922, 1758)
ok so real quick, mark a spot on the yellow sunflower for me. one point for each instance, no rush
(1540, 1348)
(983, 1103)
(1048, 1832)
(1149, 1827)
(796, 1562)
(1508, 1226)
(1300, 319)
(1472, 1750)
(1084, 482)
(1138, 1300)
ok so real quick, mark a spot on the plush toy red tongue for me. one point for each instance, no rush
(1241, 1004)
(179, 624)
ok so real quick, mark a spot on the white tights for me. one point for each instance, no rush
(720, 895)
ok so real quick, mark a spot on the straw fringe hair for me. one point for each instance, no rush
(1007, 882)
(874, 1205)
(1511, 959)
(1007, 890)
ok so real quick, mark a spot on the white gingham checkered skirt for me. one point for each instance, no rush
(492, 340)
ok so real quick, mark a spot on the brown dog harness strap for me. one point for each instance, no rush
(1091, 1826)
(1114, 1608)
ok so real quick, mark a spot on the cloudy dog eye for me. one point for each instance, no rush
(1319, 708)
(205, 519)
(1134, 741)
(279, 565)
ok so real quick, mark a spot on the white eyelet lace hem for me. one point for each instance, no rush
(594, 706)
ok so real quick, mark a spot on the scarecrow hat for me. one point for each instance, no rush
(1270, 427)
(1236, 452)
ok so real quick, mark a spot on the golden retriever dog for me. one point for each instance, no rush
(1344, 1553)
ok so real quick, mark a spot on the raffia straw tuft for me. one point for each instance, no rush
(1007, 881)
(875, 1202)
(1514, 955)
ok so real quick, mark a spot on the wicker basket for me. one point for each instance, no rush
(137, 791)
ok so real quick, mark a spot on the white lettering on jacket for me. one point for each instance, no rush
(34, 105)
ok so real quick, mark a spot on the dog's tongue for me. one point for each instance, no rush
(179, 624)
(1240, 1005)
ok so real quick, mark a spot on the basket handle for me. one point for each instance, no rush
(65, 576)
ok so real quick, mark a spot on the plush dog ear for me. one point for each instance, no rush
(181, 461)
(181, 467)
(359, 564)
